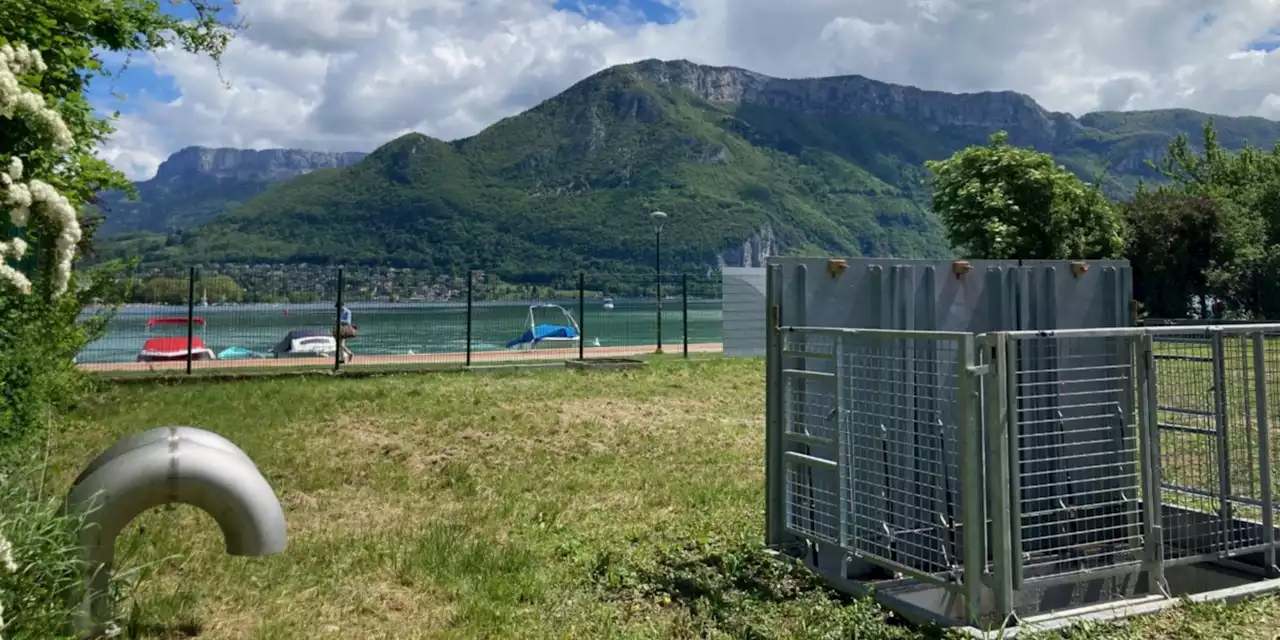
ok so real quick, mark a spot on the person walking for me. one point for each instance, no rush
(346, 331)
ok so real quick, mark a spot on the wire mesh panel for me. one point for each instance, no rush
(810, 418)
(1205, 384)
(903, 424)
(1078, 496)
(874, 419)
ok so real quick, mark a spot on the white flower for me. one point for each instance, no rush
(6, 555)
(15, 277)
(35, 197)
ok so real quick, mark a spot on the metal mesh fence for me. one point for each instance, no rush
(1105, 453)
(902, 448)
(876, 468)
(1207, 413)
(1077, 451)
(267, 317)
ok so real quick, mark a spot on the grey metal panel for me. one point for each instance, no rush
(743, 311)
(995, 295)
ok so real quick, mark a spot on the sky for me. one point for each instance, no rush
(349, 75)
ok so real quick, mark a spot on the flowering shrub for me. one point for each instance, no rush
(48, 170)
(24, 199)
(38, 338)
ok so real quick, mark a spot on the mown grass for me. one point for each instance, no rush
(540, 504)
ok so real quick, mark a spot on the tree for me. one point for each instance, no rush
(1244, 272)
(1004, 202)
(170, 290)
(1182, 249)
(221, 289)
(48, 134)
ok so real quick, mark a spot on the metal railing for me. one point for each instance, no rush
(1007, 462)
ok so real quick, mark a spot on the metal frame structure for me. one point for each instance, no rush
(992, 445)
(1025, 479)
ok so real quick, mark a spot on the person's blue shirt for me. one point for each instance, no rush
(345, 316)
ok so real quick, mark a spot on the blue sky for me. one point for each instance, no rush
(650, 11)
(137, 79)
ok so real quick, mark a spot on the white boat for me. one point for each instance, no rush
(608, 304)
(547, 333)
(309, 343)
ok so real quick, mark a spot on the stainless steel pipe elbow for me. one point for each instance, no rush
(162, 466)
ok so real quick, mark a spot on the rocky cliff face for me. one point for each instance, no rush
(1025, 120)
(267, 165)
(196, 184)
(753, 251)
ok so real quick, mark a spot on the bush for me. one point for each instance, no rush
(39, 340)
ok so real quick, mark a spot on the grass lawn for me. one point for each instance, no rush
(541, 504)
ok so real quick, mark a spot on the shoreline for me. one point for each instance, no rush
(454, 357)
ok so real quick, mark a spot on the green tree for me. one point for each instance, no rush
(1183, 249)
(999, 201)
(1244, 270)
(162, 290)
(221, 289)
(67, 34)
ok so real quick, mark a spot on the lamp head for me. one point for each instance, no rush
(658, 217)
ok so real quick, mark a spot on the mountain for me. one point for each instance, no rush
(745, 164)
(196, 184)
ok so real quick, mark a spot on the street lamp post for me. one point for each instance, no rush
(657, 218)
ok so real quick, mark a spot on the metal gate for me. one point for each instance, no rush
(881, 445)
(1210, 398)
(1076, 499)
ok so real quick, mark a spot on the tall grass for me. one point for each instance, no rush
(41, 573)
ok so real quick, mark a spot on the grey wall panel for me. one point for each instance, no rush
(744, 311)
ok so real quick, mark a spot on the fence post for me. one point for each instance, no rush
(684, 310)
(191, 314)
(337, 323)
(1264, 452)
(582, 314)
(657, 260)
(471, 276)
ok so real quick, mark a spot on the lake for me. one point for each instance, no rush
(410, 327)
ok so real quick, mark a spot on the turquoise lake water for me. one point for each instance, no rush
(404, 328)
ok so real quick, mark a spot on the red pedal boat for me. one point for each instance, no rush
(171, 348)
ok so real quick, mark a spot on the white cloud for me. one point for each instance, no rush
(352, 74)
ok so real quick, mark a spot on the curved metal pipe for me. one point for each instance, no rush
(200, 436)
(189, 466)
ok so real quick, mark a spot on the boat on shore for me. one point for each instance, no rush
(309, 343)
(171, 348)
(563, 333)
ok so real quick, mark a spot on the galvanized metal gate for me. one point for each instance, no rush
(882, 447)
(1077, 487)
(1214, 456)
(1012, 461)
